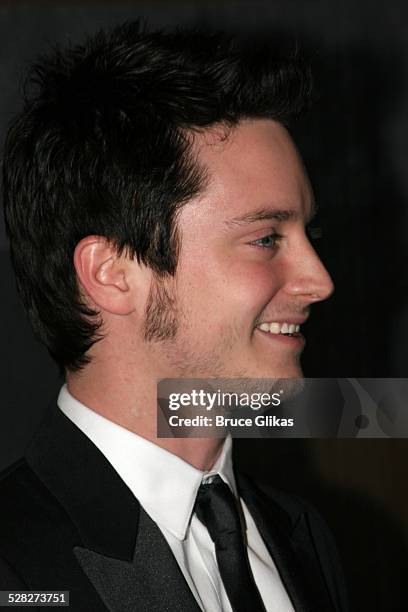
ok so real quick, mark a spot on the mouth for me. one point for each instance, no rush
(288, 329)
(285, 331)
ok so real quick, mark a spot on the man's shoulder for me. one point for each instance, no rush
(21, 490)
(38, 538)
(29, 513)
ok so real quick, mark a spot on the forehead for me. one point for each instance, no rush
(251, 166)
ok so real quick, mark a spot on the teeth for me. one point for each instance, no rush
(274, 328)
(279, 328)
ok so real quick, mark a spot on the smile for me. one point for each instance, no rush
(287, 329)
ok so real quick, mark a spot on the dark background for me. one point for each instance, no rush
(355, 146)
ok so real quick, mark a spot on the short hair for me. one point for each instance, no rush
(103, 146)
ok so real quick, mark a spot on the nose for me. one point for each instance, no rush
(309, 277)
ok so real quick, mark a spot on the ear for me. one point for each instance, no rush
(104, 275)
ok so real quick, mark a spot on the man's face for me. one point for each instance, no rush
(245, 263)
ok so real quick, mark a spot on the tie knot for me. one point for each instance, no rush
(217, 508)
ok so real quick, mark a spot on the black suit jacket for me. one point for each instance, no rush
(69, 523)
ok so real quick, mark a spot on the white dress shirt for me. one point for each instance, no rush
(166, 487)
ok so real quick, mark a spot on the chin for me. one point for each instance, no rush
(253, 375)
(290, 370)
(289, 380)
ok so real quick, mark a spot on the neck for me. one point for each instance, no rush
(112, 398)
(202, 453)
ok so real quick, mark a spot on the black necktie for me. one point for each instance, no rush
(216, 508)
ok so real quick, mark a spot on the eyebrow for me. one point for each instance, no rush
(269, 214)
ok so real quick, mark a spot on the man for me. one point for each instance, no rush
(156, 208)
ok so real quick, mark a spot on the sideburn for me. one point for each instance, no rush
(161, 314)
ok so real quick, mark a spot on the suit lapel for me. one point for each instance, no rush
(152, 581)
(291, 547)
(119, 548)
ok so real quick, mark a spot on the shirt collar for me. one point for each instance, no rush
(165, 485)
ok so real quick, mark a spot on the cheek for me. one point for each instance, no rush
(252, 287)
(235, 289)
(259, 279)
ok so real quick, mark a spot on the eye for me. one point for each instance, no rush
(271, 241)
